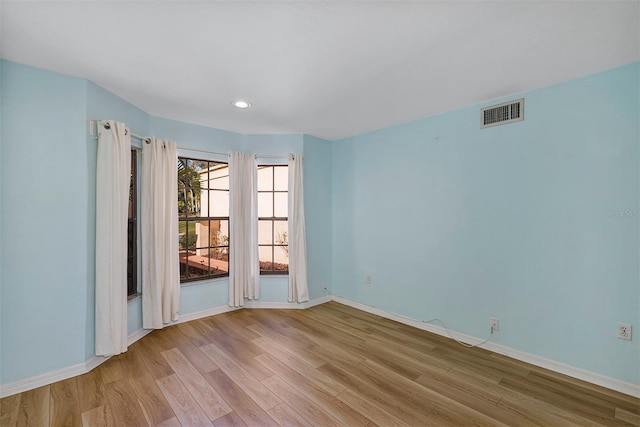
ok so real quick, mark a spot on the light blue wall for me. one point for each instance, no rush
(44, 192)
(198, 137)
(520, 222)
(318, 214)
(526, 222)
(272, 145)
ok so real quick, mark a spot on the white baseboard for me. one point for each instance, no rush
(204, 313)
(287, 305)
(140, 333)
(62, 374)
(82, 368)
(50, 377)
(562, 368)
(40, 380)
(318, 301)
(94, 362)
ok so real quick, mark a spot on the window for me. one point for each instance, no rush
(132, 230)
(273, 245)
(203, 219)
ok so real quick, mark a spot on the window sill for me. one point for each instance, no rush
(204, 281)
(134, 296)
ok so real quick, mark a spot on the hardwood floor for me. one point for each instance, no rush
(329, 365)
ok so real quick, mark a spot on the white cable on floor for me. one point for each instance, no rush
(447, 329)
(451, 336)
(464, 344)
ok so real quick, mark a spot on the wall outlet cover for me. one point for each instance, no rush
(494, 324)
(624, 331)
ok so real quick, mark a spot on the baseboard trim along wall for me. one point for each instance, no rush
(41, 380)
(82, 368)
(552, 365)
(64, 373)
(288, 305)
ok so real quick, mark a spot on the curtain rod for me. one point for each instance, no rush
(148, 140)
(265, 156)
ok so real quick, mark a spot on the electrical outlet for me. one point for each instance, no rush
(494, 324)
(624, 331)
(367, 278)
(325, 290)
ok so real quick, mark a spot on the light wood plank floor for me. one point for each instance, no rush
(330, 365)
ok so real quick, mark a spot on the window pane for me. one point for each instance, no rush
(219, 233)
(219, 261)
(281, 178)
(182, 256)
(131, 239)
(132, 186)
(214, 233)
(265, 233)
(200, 166)
(191, 264)
(265, 178)
(281, 258)
(280, 232)
(206, 262)
(182, 207)
(265, 255)
(187, 235)
(220, 265)
(201, 234)
(219, 203)
(281, 205)
(203, 204)
(132, 257)
(197, 269)
(188, 187)
(199, 264)
(182, 229)
(265, 205)
(203, 177)
(219, 177)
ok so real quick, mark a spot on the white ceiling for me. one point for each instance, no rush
(328, 69)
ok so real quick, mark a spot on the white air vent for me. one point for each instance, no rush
(509, 112)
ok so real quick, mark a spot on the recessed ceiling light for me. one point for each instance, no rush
(243, 105)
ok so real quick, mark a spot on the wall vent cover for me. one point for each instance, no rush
(501, 114)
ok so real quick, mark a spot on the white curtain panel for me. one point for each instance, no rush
(159, 232)
(244, 274)
(112, 201)
(298, 287)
